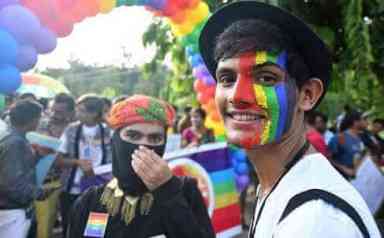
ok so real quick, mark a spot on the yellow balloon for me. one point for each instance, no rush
(107, 5)
(198, 14)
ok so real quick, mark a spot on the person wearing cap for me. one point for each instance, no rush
(271, 69)
(143, 199)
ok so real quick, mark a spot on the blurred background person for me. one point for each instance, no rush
(85, 144)
(197, 134)
(185, 120)
(61, 113)
(18, 188)
(346, 147)
(314, 136)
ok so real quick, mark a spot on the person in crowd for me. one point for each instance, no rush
(340, 118)
(271, 69)
(107, 107)
(346, 147)
(377, 129)
(321, 121)
(18, 188)
(60, 114)
(185, 120)
(85, 144)
(314, 136)
(371, 144)
(27, 96)
(143, 199)
(197, 134)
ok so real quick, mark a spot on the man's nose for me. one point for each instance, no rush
(242, 92)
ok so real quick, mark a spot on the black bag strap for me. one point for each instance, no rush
(335, 201)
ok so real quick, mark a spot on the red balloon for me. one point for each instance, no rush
(198, 85)
(62, 29)
(210, 90)
(203, 98)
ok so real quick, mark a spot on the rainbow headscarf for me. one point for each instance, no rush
(138, 109)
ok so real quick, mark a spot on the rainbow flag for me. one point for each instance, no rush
(96, 224)
(211, 166)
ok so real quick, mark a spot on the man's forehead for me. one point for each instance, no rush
(249, 59)
(147, 128)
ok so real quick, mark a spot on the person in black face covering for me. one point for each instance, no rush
(143, 199)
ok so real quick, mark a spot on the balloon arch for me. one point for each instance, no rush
(31, 27)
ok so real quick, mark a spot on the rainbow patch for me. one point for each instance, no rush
(272, 98)
(96, 225)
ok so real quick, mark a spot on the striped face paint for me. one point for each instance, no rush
(275, 101)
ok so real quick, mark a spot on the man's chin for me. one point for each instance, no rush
(243, 142)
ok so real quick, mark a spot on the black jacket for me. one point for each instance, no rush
(178, 212)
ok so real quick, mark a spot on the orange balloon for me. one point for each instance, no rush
(211, 105)
(215, 116)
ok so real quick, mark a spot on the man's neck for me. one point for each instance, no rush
(270, 160)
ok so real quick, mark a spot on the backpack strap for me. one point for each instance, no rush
(335, 201)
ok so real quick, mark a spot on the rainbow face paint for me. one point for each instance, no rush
(274, 101)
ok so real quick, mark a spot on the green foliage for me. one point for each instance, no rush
(109, 81)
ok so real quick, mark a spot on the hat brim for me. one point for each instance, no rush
(307, 43)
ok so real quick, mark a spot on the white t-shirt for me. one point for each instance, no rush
(314, 219)
(3, 127)
(89, 149)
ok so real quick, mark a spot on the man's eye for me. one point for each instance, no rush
(133, 136)
(156, 139)
(226, 79)
(266, 79)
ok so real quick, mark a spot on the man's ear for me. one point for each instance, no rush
(310, 94)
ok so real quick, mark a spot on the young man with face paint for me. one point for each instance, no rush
(143, 199)
(270, 69)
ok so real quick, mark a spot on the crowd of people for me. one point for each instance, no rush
(92, 131)
(267, 88)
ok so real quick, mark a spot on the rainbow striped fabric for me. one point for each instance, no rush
(96, 224)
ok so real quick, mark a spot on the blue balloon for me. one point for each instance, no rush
(8, 48)
(196, 60)
(157, 4)
(241, 168)
(10, 79)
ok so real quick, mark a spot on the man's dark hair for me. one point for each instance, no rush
(256, 35)
(187, 109)
(107, 102)
(200, 111)
(92, 104)
(24, 111)
(119, 99)
(26, 96)
(350, 119)
(380, 121)
(66, 99)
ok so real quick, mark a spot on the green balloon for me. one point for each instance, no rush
(130, 2)
(2, 102)
(120, 3)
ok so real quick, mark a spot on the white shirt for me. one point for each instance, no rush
(314, 219)
(89, 149)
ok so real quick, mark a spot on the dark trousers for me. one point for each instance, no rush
(66, 202)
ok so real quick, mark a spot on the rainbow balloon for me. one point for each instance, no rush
(48, 20)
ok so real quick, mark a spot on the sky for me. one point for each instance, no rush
(100, 40)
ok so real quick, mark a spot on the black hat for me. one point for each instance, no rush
(304, 40)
